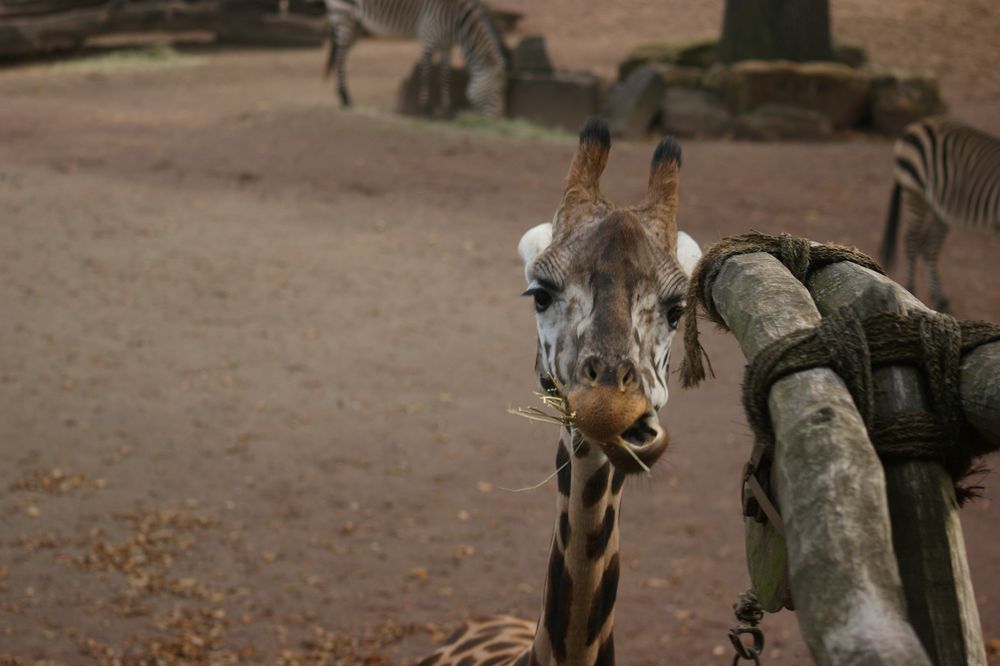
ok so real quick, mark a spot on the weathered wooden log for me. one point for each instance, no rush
(980, 389)
(163, 16)
(926, 531)
(827, 481)
(44, 32)
(23, 8)
(232, 23)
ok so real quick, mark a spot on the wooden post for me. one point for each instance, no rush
(926, 531)
(980, 389)
(828, 483)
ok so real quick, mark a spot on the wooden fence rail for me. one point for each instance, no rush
(872, 557)
(29, 27)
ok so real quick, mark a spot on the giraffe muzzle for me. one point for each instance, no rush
(617, 420)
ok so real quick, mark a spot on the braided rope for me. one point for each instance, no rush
(799, 255)
(934, 343)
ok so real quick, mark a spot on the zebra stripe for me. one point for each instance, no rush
(438, 24)
(946, 174)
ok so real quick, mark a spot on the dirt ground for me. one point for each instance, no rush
(257, 351)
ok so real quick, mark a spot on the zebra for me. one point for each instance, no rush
(438, 24)
(946, 174)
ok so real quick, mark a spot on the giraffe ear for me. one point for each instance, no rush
(661, 196)
(533, 242)
(583, 180)
(688, 252)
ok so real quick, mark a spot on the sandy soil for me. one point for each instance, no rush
(257, 353)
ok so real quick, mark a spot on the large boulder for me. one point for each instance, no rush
(898, 100)
(695, 113)
(676, 76)
(850, 55)
(634, 106)
(714, 78)
(408, 100)
(837, 91)
(775, 122)
(689, 53)
(530, 55)
(562, 99)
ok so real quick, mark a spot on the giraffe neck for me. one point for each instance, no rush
(577, 622)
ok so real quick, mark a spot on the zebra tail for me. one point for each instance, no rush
(887, 252)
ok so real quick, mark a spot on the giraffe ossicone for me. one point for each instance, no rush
(608, 286)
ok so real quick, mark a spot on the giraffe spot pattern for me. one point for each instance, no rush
(564, 476)
(617, 481)
(564, 529)
(604, 600)
(497, 640)
(596, 485)
(597, 542)
(558, 601)
(606, 655)
(474, 642)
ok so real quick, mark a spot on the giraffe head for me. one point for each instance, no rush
(608, 286)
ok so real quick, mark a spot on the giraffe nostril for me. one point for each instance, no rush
(592, 369)
(628, 375)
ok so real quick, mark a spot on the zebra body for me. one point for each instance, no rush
(946, 174)
(438, 24)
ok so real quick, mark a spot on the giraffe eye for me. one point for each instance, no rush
(543, 299)
(674, 313)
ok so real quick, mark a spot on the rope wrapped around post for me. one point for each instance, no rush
(798, 255)
(851, 346)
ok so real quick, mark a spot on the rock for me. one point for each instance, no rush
(562, 99)
(690, 53)
(773, 122)
(408, 99)
(714, 78)
(695, 113)
(837, 91)
(530, 55)
(675, 76)
(634, 106)
(697, 53)
(898, 100)
(850, 55)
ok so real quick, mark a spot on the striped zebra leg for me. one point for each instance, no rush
(917, 213)
(446, 82)
(934, 235)
(426, 67)
(343, 32)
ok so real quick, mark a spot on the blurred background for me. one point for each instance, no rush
(257, 348)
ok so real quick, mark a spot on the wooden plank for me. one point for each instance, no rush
(828, 481)
(28, 35)
(238, 23)
(28, 8)
(926, 531)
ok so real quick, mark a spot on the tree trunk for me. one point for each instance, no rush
(796, 30)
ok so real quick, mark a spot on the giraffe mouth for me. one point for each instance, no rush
(644, 441)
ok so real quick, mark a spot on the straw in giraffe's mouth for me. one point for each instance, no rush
(639, 446)
(644, 431)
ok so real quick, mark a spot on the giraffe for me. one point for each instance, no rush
(608, 287)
